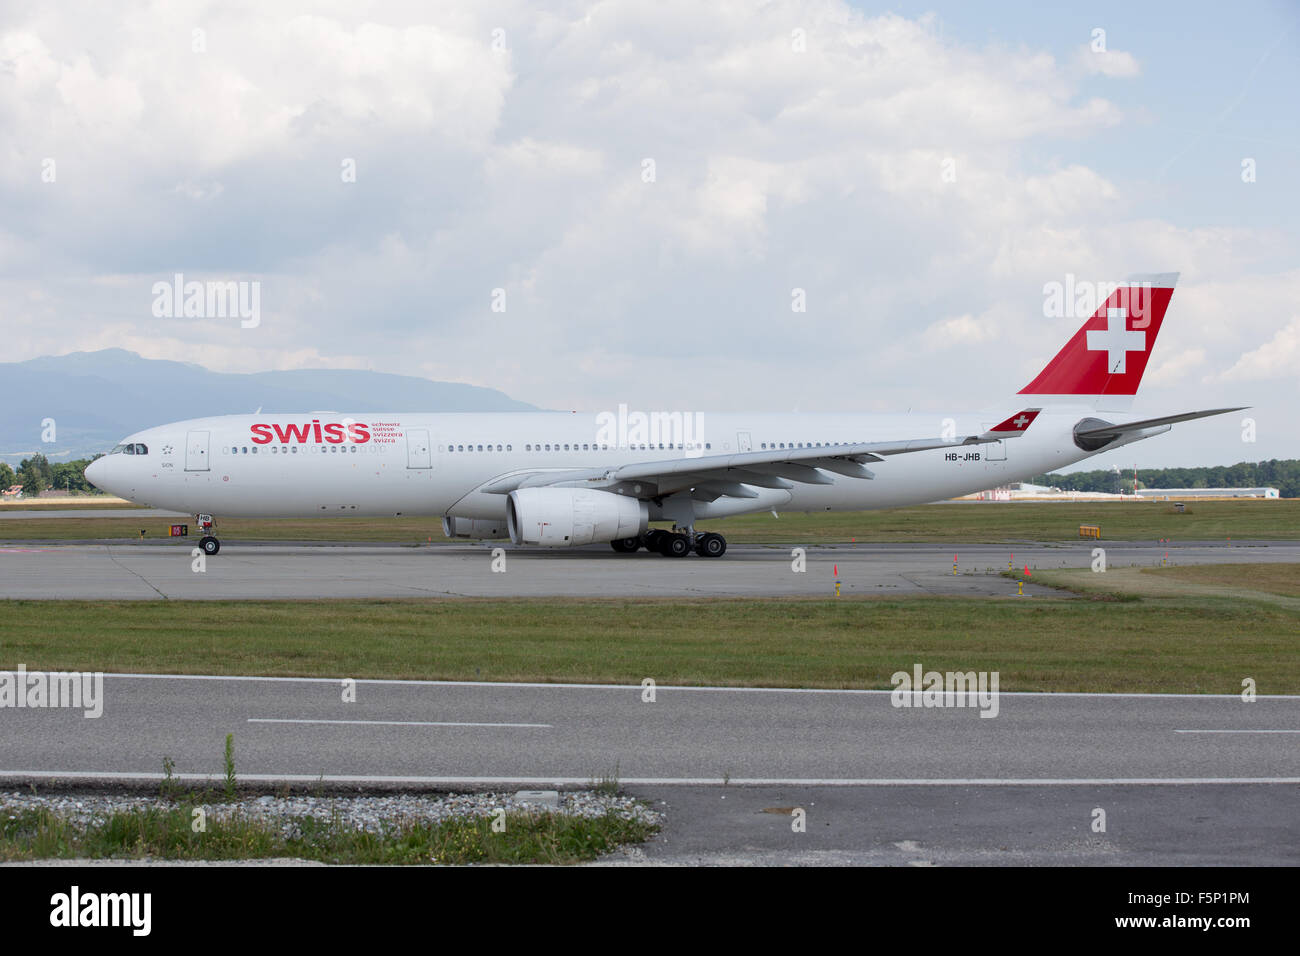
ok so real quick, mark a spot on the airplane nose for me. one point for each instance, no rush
(96, 471)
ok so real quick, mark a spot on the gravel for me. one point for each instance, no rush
(375, 814)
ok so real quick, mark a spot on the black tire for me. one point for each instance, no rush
(674, 546)
(625, 545)
(209, 544)
(711, 546)
(652, 538)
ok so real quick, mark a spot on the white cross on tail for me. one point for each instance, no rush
(1116, 341)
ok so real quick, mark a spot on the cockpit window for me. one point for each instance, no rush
(141, 449)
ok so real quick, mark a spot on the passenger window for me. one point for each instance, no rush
(508, 448)
(294, 449)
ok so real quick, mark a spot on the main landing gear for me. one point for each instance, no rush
(208, 542)
(674, 544)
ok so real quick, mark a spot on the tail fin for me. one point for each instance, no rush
(1104, 361)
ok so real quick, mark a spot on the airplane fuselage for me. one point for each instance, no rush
(324, 463)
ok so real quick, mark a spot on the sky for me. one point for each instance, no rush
(588, 204)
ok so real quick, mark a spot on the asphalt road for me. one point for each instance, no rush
(144, 571)
(1150, 825)
(1181, 779)
(448, 733)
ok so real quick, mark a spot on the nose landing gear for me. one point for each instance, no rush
(208, 542)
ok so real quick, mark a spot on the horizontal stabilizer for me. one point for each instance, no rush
(1100, 430)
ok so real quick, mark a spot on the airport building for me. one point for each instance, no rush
(1172, 493)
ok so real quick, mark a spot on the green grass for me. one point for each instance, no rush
(1280, 579)
(1190, 642)
(1273, 584)
(166, 833)
(978, 523)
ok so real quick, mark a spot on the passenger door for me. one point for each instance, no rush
(196, 451)
(417, 448)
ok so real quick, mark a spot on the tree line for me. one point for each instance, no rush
(1280, 473)
(36, 474)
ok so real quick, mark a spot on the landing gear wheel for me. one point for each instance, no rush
(674, 546)
(625, 545)
(209, 544)
(652, 538)
(711, 546)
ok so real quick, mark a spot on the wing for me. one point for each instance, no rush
(736, 475)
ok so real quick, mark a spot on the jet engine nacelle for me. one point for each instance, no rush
(474, 528)
(567, 517)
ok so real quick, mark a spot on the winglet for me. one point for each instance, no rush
(1013, 426)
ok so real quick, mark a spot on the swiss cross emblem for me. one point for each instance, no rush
(1020, 422)
(1116, 340)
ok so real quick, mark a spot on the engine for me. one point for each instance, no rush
(474, 528)
(567, 517)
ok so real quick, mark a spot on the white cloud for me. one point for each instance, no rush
(955, 332)
(478, 169)
(1278, 357)
(1174, 368)
(1113, 63)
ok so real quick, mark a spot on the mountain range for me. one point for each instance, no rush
(96, 398)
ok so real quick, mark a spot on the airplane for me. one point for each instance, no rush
(573, 479)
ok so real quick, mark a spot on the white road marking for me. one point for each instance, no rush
(1237, 731)
(389, 723)
(638, 688)
(666, 781)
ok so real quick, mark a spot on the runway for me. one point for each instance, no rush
(449, 733)
(879, 784)
(278, 571)
(17, 514)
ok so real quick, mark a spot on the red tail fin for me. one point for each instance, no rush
(1109, 353)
